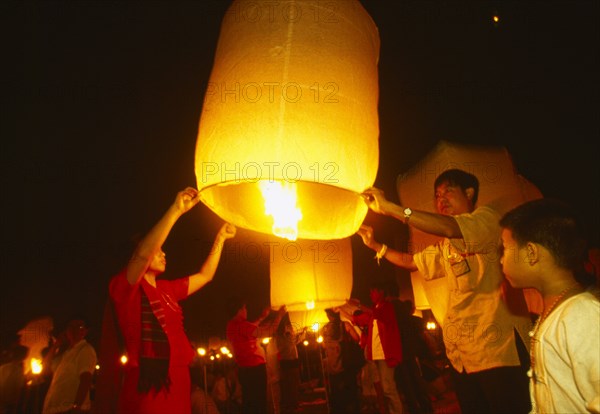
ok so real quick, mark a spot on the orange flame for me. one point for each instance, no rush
(281, 203)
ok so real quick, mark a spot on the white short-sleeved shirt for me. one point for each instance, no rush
(479, 325)
(567, 358)
(65, 380)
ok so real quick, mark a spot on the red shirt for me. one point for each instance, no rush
(246, 350)
(389, 334)
(127, 300)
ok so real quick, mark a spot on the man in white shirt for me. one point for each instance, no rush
(483, 333)
(72, 378)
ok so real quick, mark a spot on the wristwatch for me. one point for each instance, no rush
(407, 214)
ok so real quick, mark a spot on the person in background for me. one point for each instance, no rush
(289, 364)
(343, 383)
(72, 378)
(12, 378)
(150, 319)
(372, 397)
(243, 335)
(544, 248)
(408, 373)
(486, 320)
(202, 403)
(383, 345)
(227, 390)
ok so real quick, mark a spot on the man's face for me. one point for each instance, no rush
(514, 261)
(451, 200)
(76, 331)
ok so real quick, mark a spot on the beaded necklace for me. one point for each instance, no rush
(533, 333)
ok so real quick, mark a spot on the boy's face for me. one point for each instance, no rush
(514, 261)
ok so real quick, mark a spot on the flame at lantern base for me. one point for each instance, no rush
(281, 203)
(328, 212)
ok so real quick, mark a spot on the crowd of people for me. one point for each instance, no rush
(499, 361)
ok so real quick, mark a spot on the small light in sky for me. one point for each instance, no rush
(496, 19)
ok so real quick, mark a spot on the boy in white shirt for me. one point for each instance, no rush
(543, 248)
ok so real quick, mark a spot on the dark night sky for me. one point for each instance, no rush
(102, 103)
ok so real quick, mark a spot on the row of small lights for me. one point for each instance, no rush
(36, 364)
(223, 351)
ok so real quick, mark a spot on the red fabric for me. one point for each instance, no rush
(176, 401)
(127, 304)
(127, 299)
(109, 376)
(246, 350)
(388, 332)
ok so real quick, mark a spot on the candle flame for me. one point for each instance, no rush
(281, 204)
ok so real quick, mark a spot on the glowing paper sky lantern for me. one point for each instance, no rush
(500, 185)
(291, 103)
(310, 275)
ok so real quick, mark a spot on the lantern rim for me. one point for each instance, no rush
(328, 212)
(256, 181)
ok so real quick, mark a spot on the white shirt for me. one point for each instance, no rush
(65, 380)
(376, 347)
(479, 324)
(567, 358)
